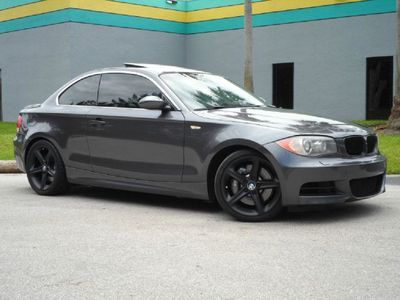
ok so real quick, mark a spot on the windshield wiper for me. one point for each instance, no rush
(254, 106)
(221, 107)
(214, 107)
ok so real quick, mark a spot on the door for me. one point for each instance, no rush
(131, 142)
(283, 79)
(69, 121)
(379, 87)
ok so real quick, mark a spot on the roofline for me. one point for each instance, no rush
(160, 68)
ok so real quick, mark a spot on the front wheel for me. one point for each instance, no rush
(247, 187)
(45, 169)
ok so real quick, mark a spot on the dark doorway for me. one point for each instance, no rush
(1, 102)
(283, 77)
(379, 87)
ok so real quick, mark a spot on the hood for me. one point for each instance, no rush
(283, 120)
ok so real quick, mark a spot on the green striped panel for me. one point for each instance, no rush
(285, 17)
(91, 17)
(99, 18)
(5, 4)
(186, 5)
(299, 15)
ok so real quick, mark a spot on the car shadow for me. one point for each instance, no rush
(303, 215)
(330, 213)
(136, 198)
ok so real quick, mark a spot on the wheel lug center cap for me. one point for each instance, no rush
(251, 185)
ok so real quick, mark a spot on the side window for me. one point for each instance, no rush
(84, 92)
(125, 90)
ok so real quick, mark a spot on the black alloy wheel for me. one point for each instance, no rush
(247, 187)
(45, 169)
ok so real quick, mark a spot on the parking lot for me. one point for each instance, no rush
(97, 243)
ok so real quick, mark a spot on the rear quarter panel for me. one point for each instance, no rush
(65, 127)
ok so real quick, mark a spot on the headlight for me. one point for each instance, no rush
(309, 145)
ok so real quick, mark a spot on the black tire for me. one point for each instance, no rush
(247, 187)
(45, 169)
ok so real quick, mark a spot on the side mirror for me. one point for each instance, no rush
(152, 102)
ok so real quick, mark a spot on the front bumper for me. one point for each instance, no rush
(313, 180)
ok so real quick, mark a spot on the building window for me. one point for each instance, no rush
(283, 79)
(379, 87)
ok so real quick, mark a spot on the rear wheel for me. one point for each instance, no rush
(247, 187)
(45, 169)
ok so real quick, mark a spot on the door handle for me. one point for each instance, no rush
(97, 122)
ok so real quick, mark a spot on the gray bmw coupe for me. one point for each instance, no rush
(187, 133)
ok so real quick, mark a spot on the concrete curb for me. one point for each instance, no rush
(393, 179)
(8, 166)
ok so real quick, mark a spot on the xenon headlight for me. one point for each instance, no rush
(309, 145)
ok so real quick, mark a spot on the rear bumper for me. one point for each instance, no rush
(19, 151)
(309, 181)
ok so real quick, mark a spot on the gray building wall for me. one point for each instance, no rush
(34, 63)
(38, 61)
(101, 46)
(329, 56)
(329, 59)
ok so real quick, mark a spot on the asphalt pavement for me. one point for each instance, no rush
(97, 243)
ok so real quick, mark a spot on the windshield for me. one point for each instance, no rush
(205, 91)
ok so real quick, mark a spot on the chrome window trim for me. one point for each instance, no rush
(162, 89)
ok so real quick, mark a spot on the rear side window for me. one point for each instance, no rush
(83, 92)
(125, 90)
